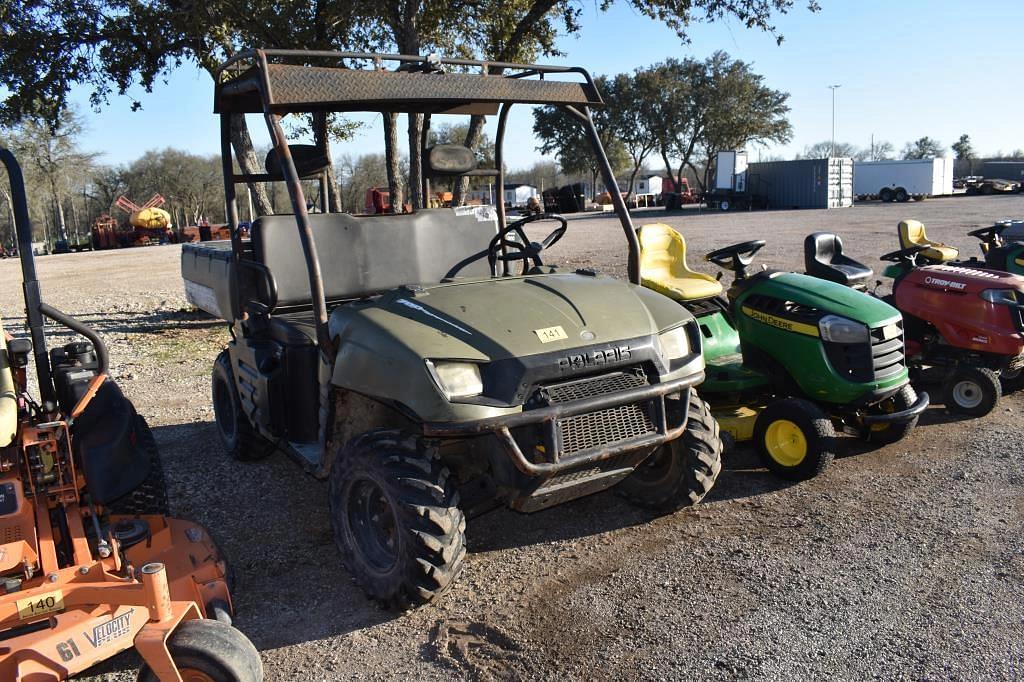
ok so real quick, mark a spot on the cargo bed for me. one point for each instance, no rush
(207, 269)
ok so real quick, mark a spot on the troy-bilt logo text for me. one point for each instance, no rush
(949, 283)
(115, 628)
(594, 358)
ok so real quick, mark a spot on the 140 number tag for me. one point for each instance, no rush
(49, 602)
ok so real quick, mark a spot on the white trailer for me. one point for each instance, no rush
(903, 180)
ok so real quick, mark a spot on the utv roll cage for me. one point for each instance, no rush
(280, 82)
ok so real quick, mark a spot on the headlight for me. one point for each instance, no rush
(1000, 296)
(841, 330)
(457, 379)
(674, 343)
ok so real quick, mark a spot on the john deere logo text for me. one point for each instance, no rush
(115, 628)
(781, 322)
(594, 358)
(949, 283)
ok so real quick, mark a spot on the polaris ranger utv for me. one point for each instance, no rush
(402, 358)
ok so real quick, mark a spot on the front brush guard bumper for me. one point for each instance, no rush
(548, 418)
(903, 416)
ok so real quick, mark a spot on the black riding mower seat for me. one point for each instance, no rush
(663, 266)
(824, 258)
(365, 255)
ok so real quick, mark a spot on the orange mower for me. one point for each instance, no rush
(90, 565)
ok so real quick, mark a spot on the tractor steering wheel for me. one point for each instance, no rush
(523, 249)
(907, 255)
(736, 257)
(988, 234)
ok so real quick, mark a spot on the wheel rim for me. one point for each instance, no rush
(372, 523)
(656, 467)
(193, 675)
(223, 411)
(785, 442)
(967, 394)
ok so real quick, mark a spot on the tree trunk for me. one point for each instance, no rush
(245, 155)
(473, 136)
(392, 161)
(416, 197)
(322, 138)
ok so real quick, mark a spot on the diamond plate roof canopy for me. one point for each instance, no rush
(292, 88)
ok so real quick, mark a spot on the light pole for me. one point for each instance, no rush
(833, 88)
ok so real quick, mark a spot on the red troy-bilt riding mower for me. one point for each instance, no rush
(89, 563)
(963, 326)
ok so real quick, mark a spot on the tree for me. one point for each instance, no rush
(923, 148)
(627, 117)
(823, 150)
(963, 148)
(883, 150)
(562, 135)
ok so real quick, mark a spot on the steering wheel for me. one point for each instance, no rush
(523, 249)
(736, 257)
(908, 255)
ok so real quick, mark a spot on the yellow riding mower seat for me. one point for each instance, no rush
(663, 266)
(8, 401)
(912, 234)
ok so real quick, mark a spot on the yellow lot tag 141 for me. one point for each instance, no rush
(30, 607)
(549, 334)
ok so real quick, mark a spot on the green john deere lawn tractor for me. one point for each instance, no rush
(790, 359)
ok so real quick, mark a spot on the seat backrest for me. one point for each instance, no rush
(362, 255)
(662, 251)
(912, 234)
(821, 247)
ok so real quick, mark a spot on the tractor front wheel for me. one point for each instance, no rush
(396, 518)
(237, 435)
(795, 438)
(890, 432)
(210, 650)
(973, 391)
(682, 472)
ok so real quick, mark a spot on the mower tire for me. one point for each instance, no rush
(151, 496)
(890, 432)
(396, 518)
(972, 391)
(1011, 381)
(210, 650)
(682, 472)
(795, 439)
(237, 434)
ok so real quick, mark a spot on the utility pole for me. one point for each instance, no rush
(833, 88)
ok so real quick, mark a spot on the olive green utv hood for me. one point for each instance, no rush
(383, 343)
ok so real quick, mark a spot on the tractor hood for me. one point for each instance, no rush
(831, 297)
(518, 330)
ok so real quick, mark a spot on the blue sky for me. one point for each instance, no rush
(907, 68)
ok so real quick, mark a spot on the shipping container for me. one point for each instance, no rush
(901, 180)
(1002, 170)
(804, 183)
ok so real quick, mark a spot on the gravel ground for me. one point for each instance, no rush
(904, 562)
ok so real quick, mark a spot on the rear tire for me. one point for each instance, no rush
(682, 472)
(237, 434)
(795, 438)
(1011, 381)
(885, 194)
(972, 391)
(209, 649)
(396, 518)
(151, 496)
(893, 431)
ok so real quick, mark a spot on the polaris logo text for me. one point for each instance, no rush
(595, 358)
(115, 628)
(952, 284)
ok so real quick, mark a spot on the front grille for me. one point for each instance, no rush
(601, 427)
(604, 427)
(594, 386)
(862, 362)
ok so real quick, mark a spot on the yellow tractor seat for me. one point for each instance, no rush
(663, 266)
(8, 399)
(912, 234)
